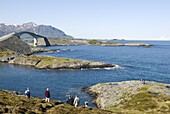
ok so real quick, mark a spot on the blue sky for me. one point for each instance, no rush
(94, 19)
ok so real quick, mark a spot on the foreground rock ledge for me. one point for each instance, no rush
(10, 103)
(132, 97)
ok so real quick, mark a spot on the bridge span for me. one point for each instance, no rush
(19, 34)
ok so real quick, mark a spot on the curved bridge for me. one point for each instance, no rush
(36, 36)
(19, 34)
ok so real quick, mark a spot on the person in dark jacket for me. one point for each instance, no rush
(70, 100)
(47, 95)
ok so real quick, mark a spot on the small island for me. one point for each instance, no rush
(106, 43)
(132, 97)
(48, 62)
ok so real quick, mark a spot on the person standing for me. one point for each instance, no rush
(47, 95)
(86, 103)
(27, 93)
(70, 100)
(76, 101)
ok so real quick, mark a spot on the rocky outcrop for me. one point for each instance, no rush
(40, 50)
(15, 44)
(132, 96)
(47, 62)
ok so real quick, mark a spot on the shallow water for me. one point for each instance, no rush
(139, 63)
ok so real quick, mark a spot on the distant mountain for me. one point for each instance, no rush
(44, 30)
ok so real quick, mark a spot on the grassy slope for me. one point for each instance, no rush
(145, 101)
(45, 62)
(5, 52)
(12, 103)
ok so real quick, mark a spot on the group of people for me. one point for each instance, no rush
(47, 94)
(75, 101)
(72, 101)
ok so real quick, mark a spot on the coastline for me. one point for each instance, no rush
(49, 62)
(132, 96)
(66, 42)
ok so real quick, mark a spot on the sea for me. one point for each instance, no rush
(150, 64)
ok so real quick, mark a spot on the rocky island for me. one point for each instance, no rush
(132, 97)
(48, 62)
(106, 43)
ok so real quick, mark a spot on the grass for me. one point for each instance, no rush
(94, 42)
(44, 62)
(12, 103)
(6, 53)
(49, 60)
(144, 102)
(141, 102)
(145, 88)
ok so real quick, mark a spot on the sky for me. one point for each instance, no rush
(94, 19)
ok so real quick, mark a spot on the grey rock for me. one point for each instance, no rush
(112, 93)
(15, 44)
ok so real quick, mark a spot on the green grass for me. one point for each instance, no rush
(145, 88)
(94, 42)
(6, 53)
(11, 103)
(47, 62)
(144, 102)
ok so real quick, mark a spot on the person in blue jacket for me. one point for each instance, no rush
(27, 93)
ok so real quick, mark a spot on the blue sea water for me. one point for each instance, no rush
(138, 62)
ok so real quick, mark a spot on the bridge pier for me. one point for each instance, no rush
(35, 41)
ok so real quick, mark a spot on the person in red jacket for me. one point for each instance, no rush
(47, 95)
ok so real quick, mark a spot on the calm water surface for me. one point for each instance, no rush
(139, 63)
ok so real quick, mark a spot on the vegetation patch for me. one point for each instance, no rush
(95, 42)
(145, 88)
(6, 52)
(47, 61)
(141, 101)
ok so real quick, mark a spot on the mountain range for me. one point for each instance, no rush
(44, 30)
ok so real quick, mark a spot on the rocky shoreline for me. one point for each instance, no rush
(48, 62)
(132, 96)
(35, 50)
(135, 44)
